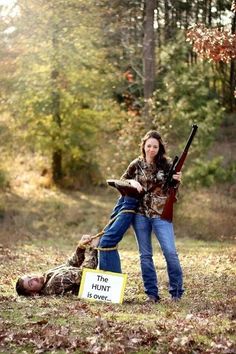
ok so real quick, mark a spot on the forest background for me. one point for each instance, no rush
(80, 83)
(79, 90)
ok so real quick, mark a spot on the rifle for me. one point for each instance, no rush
(170, 185)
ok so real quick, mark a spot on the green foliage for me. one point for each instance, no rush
(62, 62)
(80, 173)
(183, 97)
(206, 173)
(61, 83)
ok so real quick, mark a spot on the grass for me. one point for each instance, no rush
(39, 229)
(43, 233)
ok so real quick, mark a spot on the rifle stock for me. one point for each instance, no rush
(172, 187)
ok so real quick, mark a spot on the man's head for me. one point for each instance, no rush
(29, 285)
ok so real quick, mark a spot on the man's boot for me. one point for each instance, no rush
(125, 188)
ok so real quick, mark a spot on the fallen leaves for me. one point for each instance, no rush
(114, 337)
(202, 322)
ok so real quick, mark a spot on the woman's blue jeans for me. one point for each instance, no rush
(113, 234)
(163, 230)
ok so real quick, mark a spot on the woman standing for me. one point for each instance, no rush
(150, 171)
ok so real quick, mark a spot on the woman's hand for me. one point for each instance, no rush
(136, 185)
(178, 176)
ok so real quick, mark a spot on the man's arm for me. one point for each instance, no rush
(78, 256)
(91, 258)
(67, 278)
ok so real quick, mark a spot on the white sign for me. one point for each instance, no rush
(102, 286)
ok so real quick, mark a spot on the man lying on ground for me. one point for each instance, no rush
(67, 277)
(64, 278)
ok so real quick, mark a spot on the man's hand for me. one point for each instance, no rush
(178, 176)
(85, 240)
(136, 185)
(88, 240)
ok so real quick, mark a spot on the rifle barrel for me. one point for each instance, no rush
(191, 136)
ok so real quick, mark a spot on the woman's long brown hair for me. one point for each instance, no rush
(161, 159)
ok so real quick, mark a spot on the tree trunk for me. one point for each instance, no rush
(209, 13)
(57, 152)
(158, 28)
(56, 165)
(148, 58)
(167, 20)
(197, 12)
(204, 12)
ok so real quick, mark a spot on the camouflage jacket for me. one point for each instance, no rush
(66, 277)
(151, 178)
